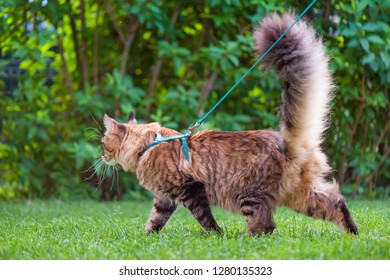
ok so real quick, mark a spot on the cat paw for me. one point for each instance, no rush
(216, 229)
(261, 231)
(150, 230)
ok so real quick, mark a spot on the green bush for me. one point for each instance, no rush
(170, 61)
(359, 138)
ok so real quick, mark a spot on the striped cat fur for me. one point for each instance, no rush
(249, 172)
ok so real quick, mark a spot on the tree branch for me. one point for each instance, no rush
(157, 67)
(64, 66)
(84, 53)
(114, 23)
(16, 28)
(205, 92)
(96, 48)
(325, 16)
(75, 36)
(378, 165)
(383, 133)
(342, 168)
(127, 45)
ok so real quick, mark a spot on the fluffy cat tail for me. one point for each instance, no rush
(301, 62)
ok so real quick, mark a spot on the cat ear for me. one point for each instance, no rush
(131, 118)
(109, 123)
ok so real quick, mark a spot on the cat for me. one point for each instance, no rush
(250, 172)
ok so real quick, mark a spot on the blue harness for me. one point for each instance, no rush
(159, 139)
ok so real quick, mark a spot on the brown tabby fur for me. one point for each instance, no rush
(250, 172)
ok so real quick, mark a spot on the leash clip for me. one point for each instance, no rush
(191, 129)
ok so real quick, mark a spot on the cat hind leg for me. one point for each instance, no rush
(257, 209)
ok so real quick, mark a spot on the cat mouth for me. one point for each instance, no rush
(110, 162)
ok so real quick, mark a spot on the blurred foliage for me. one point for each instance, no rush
(170, 61)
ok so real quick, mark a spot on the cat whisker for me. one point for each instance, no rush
(102, 176)
(96, 166)
(117, 181)
(94, 136)
(113, 176)
(116, 171)
(96, 122)
(98, 132)
(92, 175)
(95, 163)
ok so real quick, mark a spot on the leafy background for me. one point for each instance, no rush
(63, 64)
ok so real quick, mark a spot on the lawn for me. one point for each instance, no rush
(94, 230)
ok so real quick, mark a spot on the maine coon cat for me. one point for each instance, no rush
(250, 172)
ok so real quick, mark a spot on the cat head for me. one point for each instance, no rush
(124, 142)
(340, 215)
(112, 140)
(330, 205)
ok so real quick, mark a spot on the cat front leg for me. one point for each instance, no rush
(194, 197)
(161, 212)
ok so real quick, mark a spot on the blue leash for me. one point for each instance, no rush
(183, 137)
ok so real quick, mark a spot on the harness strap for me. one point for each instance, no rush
(159, 139)
(185, 147)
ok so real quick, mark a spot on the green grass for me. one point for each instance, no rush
(93, 230)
